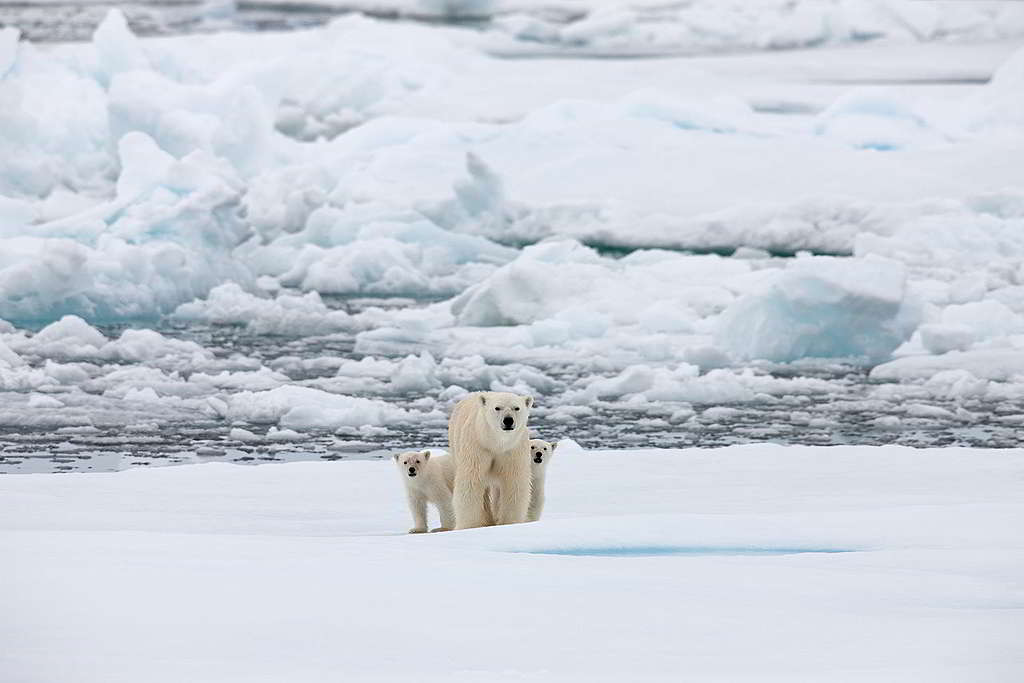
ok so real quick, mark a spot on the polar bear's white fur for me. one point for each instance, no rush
(428, 480)
(540, 455)
(489, 441)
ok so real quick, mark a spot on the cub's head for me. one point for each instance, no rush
(412, 463)
(541, 452)
(505, 412)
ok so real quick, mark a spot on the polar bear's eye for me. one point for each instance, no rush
(517, 407)
(497, 408)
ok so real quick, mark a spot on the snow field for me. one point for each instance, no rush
(302, 571)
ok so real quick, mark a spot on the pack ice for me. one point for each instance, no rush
(660, 230)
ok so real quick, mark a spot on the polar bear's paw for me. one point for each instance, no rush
(440, 528)
(418, 530)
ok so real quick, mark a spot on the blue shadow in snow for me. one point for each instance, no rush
(662, 550)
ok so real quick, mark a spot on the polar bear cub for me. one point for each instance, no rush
(489, 441)
(428, 480)
(541, 453)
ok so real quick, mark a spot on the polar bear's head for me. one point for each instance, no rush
(412, 463)
(505, 413)
(541, 452)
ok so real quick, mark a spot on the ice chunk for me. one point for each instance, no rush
(988, 318)
(415, 374)
(563, 279)
(8, 357)
(285, 314)
(117, 48)
(303, 408)
(228, 118)
(940, 338)
(998, 105)
(70, 330)
(887, 422)
(283, 435)
(378, 249)
(137, 346)
(143, 395)
(823, 307)
(239, 434)
(43, 401)
(929, 412)
(876, 118)
(143, 165)
(164, 240)
(958, 384)
(992, 364)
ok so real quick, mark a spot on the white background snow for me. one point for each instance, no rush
(302, 572)
(676, 226)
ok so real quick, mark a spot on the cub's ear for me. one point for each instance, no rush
(426, 455)
(483, 400)
(528, 401)
(554, 446)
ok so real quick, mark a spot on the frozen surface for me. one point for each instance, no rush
(744, 563)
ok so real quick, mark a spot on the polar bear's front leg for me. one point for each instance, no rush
(418, 508)
(490, 505)
(468, 500)
(447, 511)
(513, 499)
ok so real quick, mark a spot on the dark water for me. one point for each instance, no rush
(845, 414)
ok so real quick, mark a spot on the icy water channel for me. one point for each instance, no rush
(853, 410)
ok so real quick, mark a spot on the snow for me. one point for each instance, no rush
(893, 563)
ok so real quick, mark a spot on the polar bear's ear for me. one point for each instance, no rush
(426, 455)
(528, 401)
(483, 400)
(396, 456)
(554, 446)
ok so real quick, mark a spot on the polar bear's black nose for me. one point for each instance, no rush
(412, 471)
(508, 422)
(538, 458)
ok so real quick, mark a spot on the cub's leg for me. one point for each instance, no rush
(418, 508)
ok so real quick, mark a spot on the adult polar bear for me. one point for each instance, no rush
(489, 441)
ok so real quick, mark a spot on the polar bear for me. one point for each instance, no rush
(489, 441)
(540, 455)
(428, 480)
